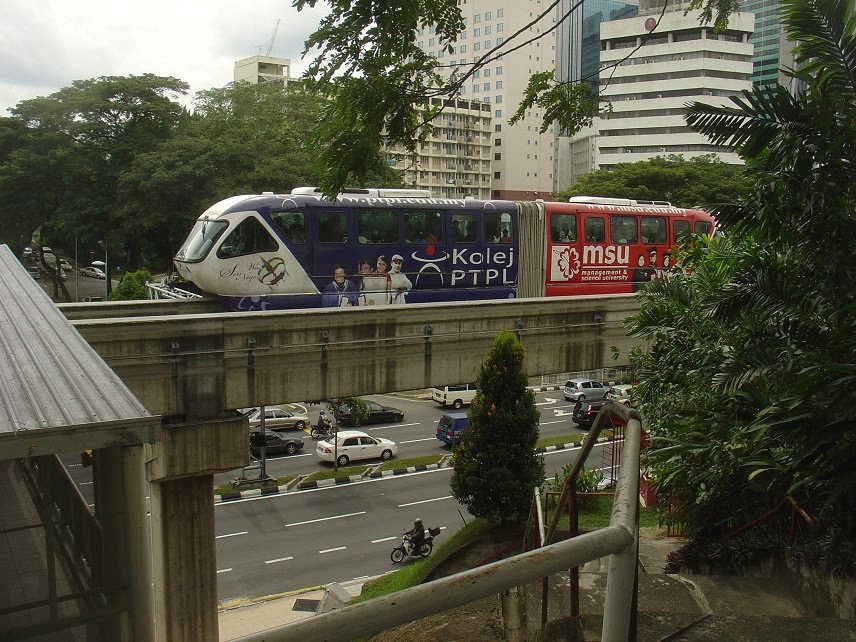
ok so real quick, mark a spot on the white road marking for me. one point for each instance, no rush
(547, 401)
(89, 483)
(324, 519)
(224, 570)
(333, 550)
(562, 413)
(383, 539)
(388, 427)
(413, 441)
(425, 501)
(281, 559)
(230, 535)
(547, 423)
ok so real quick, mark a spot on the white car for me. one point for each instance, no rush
(620, 394)
(278, 417)
(352, 445)
(94, 272)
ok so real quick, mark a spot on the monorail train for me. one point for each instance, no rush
(392, 246)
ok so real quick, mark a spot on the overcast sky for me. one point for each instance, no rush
(45, 45)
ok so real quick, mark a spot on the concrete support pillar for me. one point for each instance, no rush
(513, 603)
(120, 508)
(185, 571)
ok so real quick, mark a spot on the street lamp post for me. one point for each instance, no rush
(106, 272)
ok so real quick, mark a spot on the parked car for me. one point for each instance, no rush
(278, 418)
(579, 389)
(275, 442)
(28, 252)
(377, 414)
(351, 445)
(92, 271)
(34, 271)
(65, 265)
(455, 396)
(620, 393)
(585, 412)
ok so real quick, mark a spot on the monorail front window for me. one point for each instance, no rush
(563, 228)
(702, 227)
(292, 226)
(377, 226)
(653, 229)
(249, 237)
(200, 240)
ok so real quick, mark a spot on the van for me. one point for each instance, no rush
(455, 396)
(451, 426)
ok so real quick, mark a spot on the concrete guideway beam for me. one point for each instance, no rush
(205, 364)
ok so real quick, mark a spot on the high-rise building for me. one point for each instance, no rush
(773, 50)
(263, 69)
(651, 66)
(521, 158)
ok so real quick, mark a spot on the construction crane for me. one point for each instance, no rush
(272, 38)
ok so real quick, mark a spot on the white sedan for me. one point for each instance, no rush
(93, 272)
(354, 444)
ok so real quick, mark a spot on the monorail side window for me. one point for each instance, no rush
(595, 229)
(249, 237)
(423, 227)
(680, 229)
(377, 226)
(497, 227)
(563, 228)
(623, 229)
(292, 226)
(332, 227)
(653, 229)
(463, 228)
(702, 227)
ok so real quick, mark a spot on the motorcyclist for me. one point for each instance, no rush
(414, 537)
(323, 421)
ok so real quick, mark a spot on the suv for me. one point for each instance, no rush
(579, 389)
(585, 412)
(455, 396)
(451, 426)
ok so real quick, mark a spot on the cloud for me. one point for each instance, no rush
(46, 45)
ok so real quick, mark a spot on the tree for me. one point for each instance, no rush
(132, 286)
(749, 385)
(380, 83)
(699, 182)
(495, 465)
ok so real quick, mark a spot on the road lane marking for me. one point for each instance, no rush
(426, 501)
(383, 539)
(281, 559)
(392, 426)
(324, 519)
(89, 483)
(230, 535)
(414, 441)
(547, 423)
(224, 570)
(547, 401)
(332, 550)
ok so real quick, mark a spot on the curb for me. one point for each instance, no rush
(547, 388)
(276, 490)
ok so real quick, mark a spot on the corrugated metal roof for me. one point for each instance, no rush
(56, 393)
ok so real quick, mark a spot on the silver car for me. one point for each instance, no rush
(286, 417)
(579, 389)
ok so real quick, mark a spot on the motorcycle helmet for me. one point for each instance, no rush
(418, 521)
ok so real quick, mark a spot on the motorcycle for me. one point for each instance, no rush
(425, 548)
(324, 427)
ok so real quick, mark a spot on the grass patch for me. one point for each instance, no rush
(331, 473)
(560, 440)
(598, 511)
(414, 572)
(412, 461)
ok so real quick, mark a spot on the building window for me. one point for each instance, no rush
(477, 74)
(497, 142)
(486, 86)
(477, 18)
(497, 156)
(463, 49)
(499, 41)
(500, 27)
(498, 99)
(497, 128)
(498, 84)
(476, 47)
(487, 44)
(487, 15)
(499, 13)
(430, 42)
(496, 175)
(497, 113)
(476, 32)
(487, 30)
(498, 70)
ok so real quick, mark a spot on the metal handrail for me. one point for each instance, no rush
(619, 540)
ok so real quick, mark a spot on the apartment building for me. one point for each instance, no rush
(521, 158)
(263, 69)
(455, 161)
